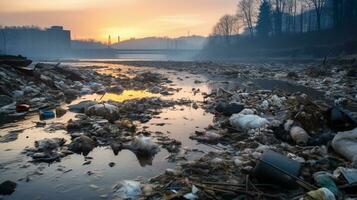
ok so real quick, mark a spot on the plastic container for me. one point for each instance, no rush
(323, 179)
(265, 172)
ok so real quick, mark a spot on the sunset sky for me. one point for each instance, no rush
(128, 18)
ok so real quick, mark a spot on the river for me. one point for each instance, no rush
(69, 178)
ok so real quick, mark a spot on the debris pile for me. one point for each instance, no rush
(47, 150)
(270, 143)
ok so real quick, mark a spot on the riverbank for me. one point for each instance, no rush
(181, 120)
(294, 109)
(328, 80)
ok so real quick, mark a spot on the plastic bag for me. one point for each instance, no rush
(247, 121)
(128, 189)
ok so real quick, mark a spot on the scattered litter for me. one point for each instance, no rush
(350, 175)
(345, 143)
(82, 144)
(22, 108)
(299, 135)
(276, 168)
(320, 194)
(247, 121)
(46, 114)
(7, 187)
(192, 195)
(60, 111)
(144, 146)
(128, 189)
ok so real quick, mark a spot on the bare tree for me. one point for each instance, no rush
(248, 9)
(227, 26)
(239, 23)
(302, 15)
(294, 16)
(278, 15)
(318, 6)
(288, 18)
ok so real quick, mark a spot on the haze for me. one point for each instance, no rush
(128, 18)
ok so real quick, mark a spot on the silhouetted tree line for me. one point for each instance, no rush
(291, 24)
(276, 17)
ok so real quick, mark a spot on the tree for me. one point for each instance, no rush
(247, 9)
(264, 22)
(318, 6)
(294, 16)
(278, 16)
(349, 12)
(344, 13)
(336, 13)
(227, 26)
(302, 14)
(290, 15)
(3, 37)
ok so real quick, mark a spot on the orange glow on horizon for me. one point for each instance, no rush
(96, 19)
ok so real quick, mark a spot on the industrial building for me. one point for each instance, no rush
(35, 42)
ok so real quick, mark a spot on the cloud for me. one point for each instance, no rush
(57, 5)
(179, 20)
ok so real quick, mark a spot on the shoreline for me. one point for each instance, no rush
(255, 89)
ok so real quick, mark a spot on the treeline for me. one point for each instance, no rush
(266, 24)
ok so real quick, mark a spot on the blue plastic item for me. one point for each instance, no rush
(47, 114)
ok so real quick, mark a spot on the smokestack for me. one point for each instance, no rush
(109, 41)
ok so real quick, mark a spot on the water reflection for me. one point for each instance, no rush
(145, 159)
(127, 95)
(70, 179)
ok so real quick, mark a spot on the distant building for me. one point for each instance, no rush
(35, 42)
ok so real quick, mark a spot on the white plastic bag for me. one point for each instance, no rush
(345, 143)
(247, 121)
(144, 145)
(128, 189)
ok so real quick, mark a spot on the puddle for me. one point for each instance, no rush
(70, 179)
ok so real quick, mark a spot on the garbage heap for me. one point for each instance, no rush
(97, 123)
(46, 86)
(270, 144)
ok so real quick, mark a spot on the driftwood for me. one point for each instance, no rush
(235, 191)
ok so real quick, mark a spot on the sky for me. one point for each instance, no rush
(96, 19)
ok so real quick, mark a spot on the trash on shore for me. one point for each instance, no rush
(82, 144)
(143, 145)
(47, 114)
(11, 136)
(47, 150)
(104, 110)
(127, 189)
(268, 143)
(7, 187)
(345, 143)
(22, 108)
(60, 111)
(276, 168)
(299, 135)
(247, 121)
